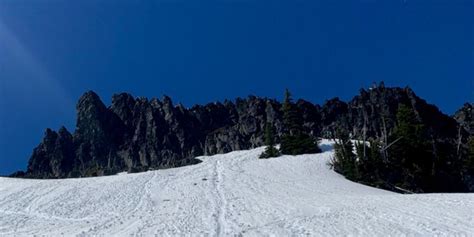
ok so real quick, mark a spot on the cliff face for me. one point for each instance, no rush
(137, 134)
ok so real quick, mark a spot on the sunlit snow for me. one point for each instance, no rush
(228, 195)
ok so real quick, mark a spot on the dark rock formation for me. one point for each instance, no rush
(54, 157)
(137, 134)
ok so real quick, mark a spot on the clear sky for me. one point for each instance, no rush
(198, 51)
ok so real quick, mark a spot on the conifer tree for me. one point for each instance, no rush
(294, 140)
(344, 161)
(410, 156)
(370, 167)
(469, 161)
(270, 151)
(409, 159)
(291, 120)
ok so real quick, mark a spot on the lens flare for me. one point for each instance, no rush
(23, 77)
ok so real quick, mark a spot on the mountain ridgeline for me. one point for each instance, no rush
(137, 134)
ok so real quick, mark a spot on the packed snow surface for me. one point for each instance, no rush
(227, 195)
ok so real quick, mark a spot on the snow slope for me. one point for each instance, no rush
(228, 195)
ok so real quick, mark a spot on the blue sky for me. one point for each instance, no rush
(201, 51)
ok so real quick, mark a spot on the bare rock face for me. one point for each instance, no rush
(137, 134)
(98, 135)
(54, 157)
(379, 106)
(157, 134)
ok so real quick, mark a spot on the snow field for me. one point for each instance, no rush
(227, 195)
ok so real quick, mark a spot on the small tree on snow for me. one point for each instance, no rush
(295, 141)
(344, 161)
(270, 151)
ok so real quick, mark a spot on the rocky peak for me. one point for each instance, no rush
(123, 105)
(167, 102)
(137, 134)
(333, 108)
(90, 102)
(63, 132)
(50, 137)
(54, 157)
(168, 108)
(91, 116)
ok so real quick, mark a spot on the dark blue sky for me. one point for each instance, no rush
(199, 51)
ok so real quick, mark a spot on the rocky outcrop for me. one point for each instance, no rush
(54, 157)
(379, 105)
(137, 134)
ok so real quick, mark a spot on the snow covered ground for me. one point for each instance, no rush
(227, 195)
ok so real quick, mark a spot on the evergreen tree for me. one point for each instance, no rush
(370, 167)
(363, 163)
(447, 170)
(270, 151)
(471, 148)
(344, 161)
(291, 119)
(294, 140)
(468, 165)
(410, 157)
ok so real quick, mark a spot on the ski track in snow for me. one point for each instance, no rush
(234, 194)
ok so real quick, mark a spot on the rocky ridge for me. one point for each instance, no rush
(137, 134)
